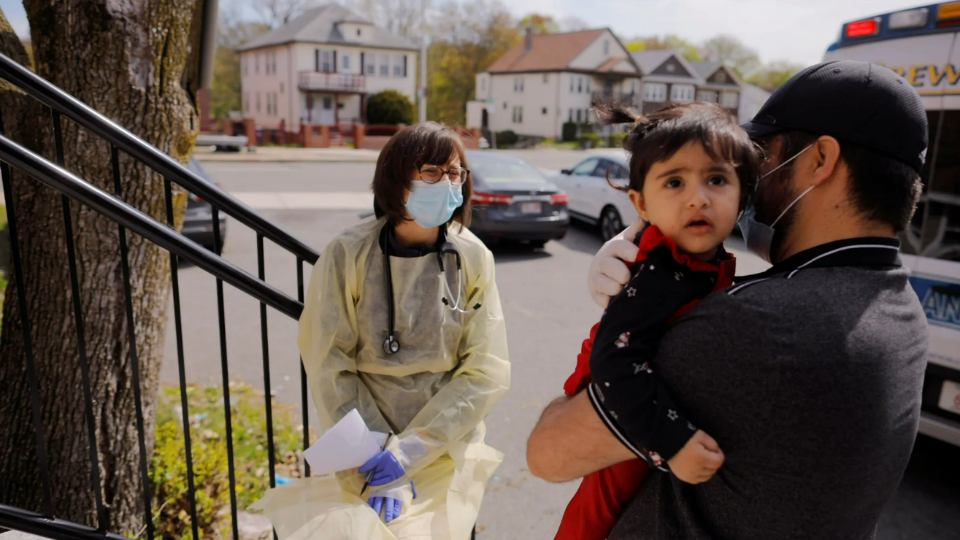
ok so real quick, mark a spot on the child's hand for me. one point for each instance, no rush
(698, 460)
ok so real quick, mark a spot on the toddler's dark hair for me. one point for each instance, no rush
(659, 135)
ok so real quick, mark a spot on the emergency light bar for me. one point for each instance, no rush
(948, 11)
(914, 18)
(867, 27)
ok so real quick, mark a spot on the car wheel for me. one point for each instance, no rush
(610, 223)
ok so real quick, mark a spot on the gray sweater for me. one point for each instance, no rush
(809, 377)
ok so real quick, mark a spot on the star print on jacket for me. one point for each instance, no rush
(635, 405)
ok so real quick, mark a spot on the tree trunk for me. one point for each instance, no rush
(135, 62)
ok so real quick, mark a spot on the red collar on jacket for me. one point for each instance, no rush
(725, 264)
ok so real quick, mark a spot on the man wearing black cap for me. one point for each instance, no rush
(809, 375)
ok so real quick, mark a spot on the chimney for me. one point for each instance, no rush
(528, 40)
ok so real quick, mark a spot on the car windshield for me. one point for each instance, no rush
(504, 170)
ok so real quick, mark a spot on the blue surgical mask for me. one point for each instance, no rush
(432, 205)
(759, 236)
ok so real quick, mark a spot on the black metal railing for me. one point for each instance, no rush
(130, 219)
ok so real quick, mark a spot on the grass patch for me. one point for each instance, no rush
(209, 449)
(560, 145)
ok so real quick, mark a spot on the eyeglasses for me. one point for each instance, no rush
(432, 174)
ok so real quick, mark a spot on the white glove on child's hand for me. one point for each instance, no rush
(608, 272)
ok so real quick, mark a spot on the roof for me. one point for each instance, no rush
(319, 25)
(547, 52)
(610, 64)
(705, 69)
(651, 60)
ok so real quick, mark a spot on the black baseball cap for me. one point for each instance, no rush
(856, 102)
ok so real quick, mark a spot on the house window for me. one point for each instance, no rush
(655, 92)
(504, 105)
(571, 85)
(345, 62)
(326, 61)
(588, 85)
(256, 64)
(384, 65)
(707, 96)
(483, 84)
(358, 32)
(579, 85)
(258, 101)
(398, 65)
(730, 100)
(273, 63)
(546, 78)
(544, 111)
(579, 118)
(681, 92)
(246, 102)
(570, 119)
(518, 114)
(671, 68)
(518, 84)
(371, 67)
(606, 48)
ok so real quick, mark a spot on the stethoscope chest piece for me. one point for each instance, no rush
(391, 345)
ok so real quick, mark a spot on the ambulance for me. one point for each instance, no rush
(923, 46)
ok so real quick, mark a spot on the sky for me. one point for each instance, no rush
(795, 30)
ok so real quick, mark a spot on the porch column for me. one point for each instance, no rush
(363, 108)
(336, 110)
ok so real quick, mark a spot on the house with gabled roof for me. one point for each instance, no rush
(718, 85)
(549, 79)
(319, 69)
(668, 76)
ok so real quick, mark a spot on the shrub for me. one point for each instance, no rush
(616, 140)
(569, 131)
(591, 140)
(207, 429)
(389, 107)
(506, 139)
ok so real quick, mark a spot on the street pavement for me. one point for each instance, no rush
(548, 312)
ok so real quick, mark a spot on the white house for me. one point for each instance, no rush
(320, 68)
(752, 97)
(550, 79)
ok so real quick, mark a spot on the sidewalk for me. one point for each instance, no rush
(278, 154)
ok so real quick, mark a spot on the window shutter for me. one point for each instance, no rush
(404, 65)
(334, 61)
(363, 63)
(316, 59)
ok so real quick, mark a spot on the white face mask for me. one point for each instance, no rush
(759, 236)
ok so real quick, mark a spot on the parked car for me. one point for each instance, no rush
(198, 221)
(512, 200)
(592, 199)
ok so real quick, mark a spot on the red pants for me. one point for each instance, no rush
(596, 506)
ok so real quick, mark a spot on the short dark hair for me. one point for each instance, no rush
(882, 188)
(409, 149)
(659, 135)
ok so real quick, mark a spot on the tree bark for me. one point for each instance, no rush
(135, 62)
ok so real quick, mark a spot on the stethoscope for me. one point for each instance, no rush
(392, 345)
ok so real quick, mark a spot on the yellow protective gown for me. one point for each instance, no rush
(433, 394)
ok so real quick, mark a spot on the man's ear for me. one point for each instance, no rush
(637, 199)
(826, 153)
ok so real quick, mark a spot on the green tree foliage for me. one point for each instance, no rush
(731, 52)
(540, 24)
(669, 41)
(467, 39)
(231, 33)
(774, 74)
(389, 107)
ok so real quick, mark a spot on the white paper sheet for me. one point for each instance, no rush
(347, 445)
